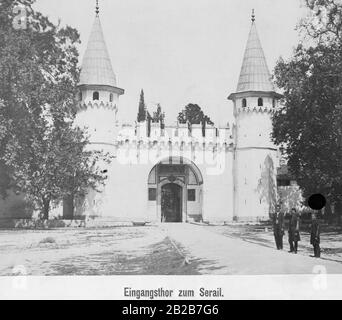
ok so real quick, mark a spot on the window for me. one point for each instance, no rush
(96, 96)
(260, 102)
(80, 97)
(192, 195)
(274, 103)
(111, 97)
(244, 103)
(152, 194)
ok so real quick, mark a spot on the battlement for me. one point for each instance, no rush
(182, 134)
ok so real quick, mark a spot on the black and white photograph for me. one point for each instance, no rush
(171, 149)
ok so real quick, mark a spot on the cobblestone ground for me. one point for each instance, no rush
(159, 250)
(112, 251)
(219, 251)
(331, 240)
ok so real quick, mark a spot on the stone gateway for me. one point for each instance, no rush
(184, 172)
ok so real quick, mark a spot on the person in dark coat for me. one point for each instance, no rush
(315, 235)
(294, 236)
(278, 227)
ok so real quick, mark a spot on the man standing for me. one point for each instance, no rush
(315, 235)
(294, 236)
(278, 227)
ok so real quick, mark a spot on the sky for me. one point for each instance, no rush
(181, 51)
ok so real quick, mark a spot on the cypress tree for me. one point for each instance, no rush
(142, 108)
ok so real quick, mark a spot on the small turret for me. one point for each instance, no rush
(255, 154)
(255, 95)
(98, 90)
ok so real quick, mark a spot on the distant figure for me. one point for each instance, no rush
(278, 227)
(294, 236)
(315, 235)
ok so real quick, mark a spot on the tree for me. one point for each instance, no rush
(308, 126)
(57, 166)
(194, 115)
(182, 119)
(323, 22)
(159, 116)
(78, 167)
(142, 115)
(39, 147)
(266, 185)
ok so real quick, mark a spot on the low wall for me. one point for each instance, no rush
(40, 224)
(6, 223)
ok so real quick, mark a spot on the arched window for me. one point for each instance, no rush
(96, 96)
(244, 103)
(260, 102)
(111, 97)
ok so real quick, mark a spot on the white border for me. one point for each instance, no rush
(294, 287)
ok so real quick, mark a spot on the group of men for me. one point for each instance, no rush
(293, 231)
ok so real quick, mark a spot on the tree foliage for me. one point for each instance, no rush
(159, 115)
(41, 152)
(193, 114)
(142, 113)
(308, 125)
(266, 185)
(324, 22)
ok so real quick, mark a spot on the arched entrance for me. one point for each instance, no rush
(171, 203)
(175, 191)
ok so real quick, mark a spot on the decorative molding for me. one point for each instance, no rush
(97, 105)
(95, 87)
(264, 109)
(255, 94)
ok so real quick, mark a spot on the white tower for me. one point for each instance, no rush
(98, 91)
(255, 158)
(98, 109)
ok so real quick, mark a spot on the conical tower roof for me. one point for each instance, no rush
(254, 75)
(96, 66)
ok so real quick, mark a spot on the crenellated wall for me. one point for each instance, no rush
(125, 195)
(180, 134)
